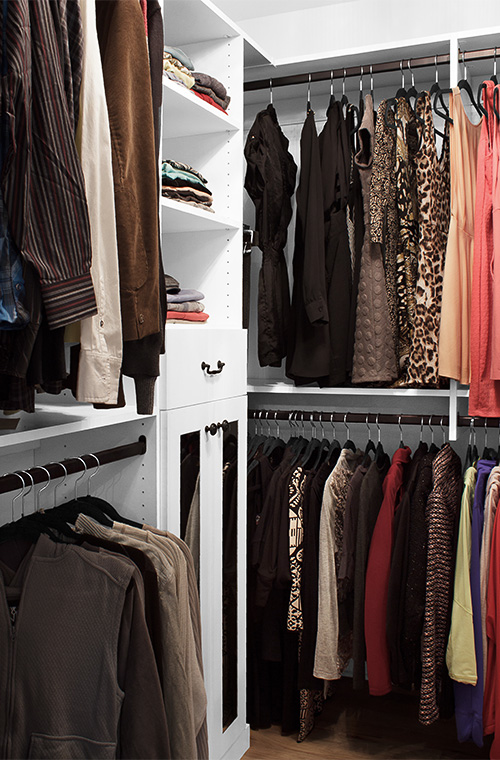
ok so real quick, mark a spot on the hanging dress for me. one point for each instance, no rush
(484, 395)
(433, 187)
(495, 319)
(335, 167)
(308, 355)
(407, 249)
(454, 335)
(383, 205)
(374, 357)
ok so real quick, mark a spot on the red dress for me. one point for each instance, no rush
(377, 578)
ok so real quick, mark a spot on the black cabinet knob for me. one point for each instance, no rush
(212, 429)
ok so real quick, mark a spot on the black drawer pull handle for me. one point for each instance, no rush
(206, 368)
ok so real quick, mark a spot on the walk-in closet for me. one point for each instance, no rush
(249, 379)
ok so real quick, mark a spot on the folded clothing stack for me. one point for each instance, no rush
(183, 306)
(178, 66)
(183, 183)
(211, 90)
(176, 71)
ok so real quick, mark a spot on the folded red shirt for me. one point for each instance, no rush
(187, 316)
(208, 100)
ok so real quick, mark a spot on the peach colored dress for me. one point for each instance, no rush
(454, 337)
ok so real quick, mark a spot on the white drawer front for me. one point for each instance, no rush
(202, 364)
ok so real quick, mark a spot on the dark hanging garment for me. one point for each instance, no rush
(355, 231)
(335, 167)
(308, 355)
(270, 183)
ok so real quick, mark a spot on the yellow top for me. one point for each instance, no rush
(461, 650)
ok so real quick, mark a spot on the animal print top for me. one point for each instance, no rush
(433, 184)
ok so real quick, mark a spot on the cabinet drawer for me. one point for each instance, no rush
(202, 365)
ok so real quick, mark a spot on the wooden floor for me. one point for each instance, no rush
(355, 725)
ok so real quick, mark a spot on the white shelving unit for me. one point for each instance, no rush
(203, 250)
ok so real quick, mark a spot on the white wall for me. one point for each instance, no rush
(357, 23)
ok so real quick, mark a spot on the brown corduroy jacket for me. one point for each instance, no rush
(127, 81)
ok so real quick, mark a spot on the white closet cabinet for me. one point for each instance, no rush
(203, 377)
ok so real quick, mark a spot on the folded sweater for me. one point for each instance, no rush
(187, 306)
(179, 316)
(185, 167)
(184, 295)
(222, 102)
(207, 81)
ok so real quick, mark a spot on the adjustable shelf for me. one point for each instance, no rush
(181, 217)
(193, 116)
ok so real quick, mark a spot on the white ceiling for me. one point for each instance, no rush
(239, 10)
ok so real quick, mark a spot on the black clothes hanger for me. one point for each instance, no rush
(435, 87)
(493, 77)
(370, 446)
(344, 100)
(488, 452)
(401, 442)
(256, 441)
(312, 447)
(445, 113)
(412, 92)
(332, 91)
(361, 102)
(335, 447)
(309, 109)
(380, 454)
(420, 95)
(464, 86)
(402, 92)
(496, 109)
(275, 442)
(349, 444)
(322, 450)
(480, 98)
(471, 455)
(391, 103)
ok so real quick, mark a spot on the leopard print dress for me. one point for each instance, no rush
(407, 250)
(433, 183)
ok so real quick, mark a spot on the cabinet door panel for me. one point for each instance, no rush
(222, 560)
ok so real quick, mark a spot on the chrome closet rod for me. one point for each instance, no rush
(10, 481)
(269, 415)
(376, 68)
